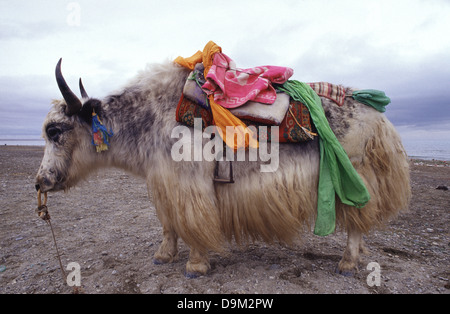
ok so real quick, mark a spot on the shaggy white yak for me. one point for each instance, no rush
(273, 207)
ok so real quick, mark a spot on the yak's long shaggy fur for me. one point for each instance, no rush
(272, 207)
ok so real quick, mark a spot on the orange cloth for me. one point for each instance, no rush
(208, 55)
(222, 116)
(191, 61)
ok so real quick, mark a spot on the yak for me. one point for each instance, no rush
(274, 207)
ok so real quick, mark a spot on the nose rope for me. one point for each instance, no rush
(42, 212)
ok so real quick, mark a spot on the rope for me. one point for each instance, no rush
(307, 132)
(42, 212)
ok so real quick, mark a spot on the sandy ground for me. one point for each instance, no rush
(109, 227)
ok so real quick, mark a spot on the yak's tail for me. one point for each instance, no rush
(385, 170)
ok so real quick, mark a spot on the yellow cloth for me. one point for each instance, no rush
(222, 116)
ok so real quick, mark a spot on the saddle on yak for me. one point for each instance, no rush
(289, 104)
(291, 116)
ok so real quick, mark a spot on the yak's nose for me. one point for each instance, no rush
(42, 183)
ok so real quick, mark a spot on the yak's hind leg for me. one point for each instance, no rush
(198, 264)
(349, 262)
(376, 152)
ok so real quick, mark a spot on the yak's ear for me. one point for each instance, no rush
(88, 108)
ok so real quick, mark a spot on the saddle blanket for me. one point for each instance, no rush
(294, 128)
(234, 87)
(263, 113)
(333, 92)
(291, 116)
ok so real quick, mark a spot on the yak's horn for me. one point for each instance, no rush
(82, 90)
(73, 103)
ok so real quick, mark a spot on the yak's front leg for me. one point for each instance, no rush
(349, 262)
(168, 250)
(198, 263)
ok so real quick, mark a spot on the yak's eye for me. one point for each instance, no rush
(53, 132)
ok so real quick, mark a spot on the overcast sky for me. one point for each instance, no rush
(401, 47)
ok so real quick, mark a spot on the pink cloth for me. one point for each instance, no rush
(234, 87)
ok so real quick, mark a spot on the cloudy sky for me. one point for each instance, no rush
(401, 47)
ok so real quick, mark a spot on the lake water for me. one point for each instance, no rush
(416, 148)
(22, 140)
(428, 149)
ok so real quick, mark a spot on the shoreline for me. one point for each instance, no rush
(417, 161)
(429, 162)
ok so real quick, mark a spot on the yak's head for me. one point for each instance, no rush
(69, 154)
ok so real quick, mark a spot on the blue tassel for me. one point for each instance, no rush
(100, 137)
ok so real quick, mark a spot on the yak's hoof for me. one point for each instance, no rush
(159, 259)
(192, 275)
(345, 273)
(158, 262)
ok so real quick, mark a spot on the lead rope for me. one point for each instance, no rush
(42, 212)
